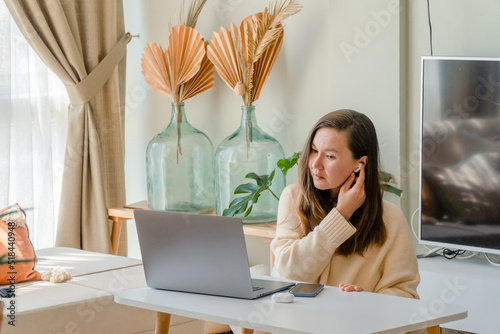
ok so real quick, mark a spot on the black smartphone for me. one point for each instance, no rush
(306, 289)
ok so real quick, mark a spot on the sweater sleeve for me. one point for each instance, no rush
(300, 257)
(400, 267)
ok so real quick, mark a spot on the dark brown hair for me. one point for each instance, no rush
(314, 204)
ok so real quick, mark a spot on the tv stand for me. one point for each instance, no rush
(472, 283)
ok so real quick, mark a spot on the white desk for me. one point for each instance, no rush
(332, 311)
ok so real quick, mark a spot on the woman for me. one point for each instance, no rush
(333, 226)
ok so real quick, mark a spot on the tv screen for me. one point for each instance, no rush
(460, 153)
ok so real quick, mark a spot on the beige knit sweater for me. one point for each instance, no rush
(390, 269)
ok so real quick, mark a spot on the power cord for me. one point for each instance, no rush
(430, 24)
(452, 253)
(431, 250)
(412, 226)
(441, 251)
(496, 264)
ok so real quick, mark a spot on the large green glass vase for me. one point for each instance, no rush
(180, 167)
(249, 149)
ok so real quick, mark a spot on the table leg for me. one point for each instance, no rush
(115, 233)
(162, 323)
(433, 330)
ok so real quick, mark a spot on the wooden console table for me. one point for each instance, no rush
(119, 215)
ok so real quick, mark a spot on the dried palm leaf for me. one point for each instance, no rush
(167, 70)
(183, 56)
(222, 53)
(201, 82)
(155, 70)
(263, 67)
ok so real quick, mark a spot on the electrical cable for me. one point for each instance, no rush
(490, 261)
(447, 253)
(431, 250)
(411, 224)
(457, 254)
(452, 253)
(430, 25)
(471, 255)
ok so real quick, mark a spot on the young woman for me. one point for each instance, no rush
(333, 226)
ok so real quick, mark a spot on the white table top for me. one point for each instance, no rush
(332, 311)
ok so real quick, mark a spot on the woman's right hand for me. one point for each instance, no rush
(350, 288)
(351, 197)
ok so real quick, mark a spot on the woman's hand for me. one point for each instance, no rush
(350, 199)
(350, 287)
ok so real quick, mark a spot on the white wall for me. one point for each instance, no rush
(363, 55)
(314, 74)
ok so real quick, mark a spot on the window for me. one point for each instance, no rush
(33, 122)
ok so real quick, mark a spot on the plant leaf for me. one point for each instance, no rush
(271, 177)
(237, 206)
(256, 196)
(385, 176)
(286, 164)
(391, 189)
(260, 179)
(240, 204)
(246, 188)
(248, 211)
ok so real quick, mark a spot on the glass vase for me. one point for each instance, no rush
(180, 167)
(249, 149)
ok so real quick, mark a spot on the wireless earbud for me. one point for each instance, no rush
(359, 167)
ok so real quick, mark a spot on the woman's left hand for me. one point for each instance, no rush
(350, 287)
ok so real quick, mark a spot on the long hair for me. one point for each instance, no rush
(314, 204)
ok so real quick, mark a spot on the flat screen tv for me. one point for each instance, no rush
(460, 153)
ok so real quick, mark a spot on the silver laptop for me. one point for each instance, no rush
(198, 253)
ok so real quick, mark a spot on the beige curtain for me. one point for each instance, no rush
(84, 43)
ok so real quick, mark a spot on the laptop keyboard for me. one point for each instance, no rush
(257, 288)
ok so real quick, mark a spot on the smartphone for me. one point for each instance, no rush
(306, 289)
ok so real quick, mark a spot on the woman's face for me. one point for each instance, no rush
(330, 161)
